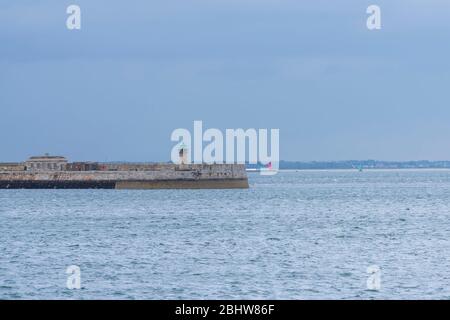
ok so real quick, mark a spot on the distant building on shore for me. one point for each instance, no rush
(46, 163)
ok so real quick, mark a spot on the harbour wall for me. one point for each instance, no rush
(158, 176)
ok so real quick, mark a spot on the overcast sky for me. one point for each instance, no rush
(137, 70)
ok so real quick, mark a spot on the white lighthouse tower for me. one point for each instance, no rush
(183, 154)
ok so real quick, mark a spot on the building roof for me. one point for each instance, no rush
(47, 158)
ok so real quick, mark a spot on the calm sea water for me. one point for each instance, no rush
(296, 235)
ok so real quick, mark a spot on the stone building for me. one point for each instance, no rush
(82, 166)
(46, 163)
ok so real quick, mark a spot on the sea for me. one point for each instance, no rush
(375, 234)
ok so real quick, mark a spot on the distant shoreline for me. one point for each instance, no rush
(360, 165)
(364, 170)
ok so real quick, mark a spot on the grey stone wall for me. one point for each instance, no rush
(158, 172)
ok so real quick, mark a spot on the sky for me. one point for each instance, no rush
(137, 70)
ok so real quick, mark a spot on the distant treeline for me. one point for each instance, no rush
(365, 164)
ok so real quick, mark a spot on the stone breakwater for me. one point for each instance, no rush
(157, 176)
